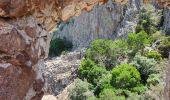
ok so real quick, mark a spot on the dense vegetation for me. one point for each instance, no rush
(125, 69)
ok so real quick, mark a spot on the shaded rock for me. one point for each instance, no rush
(166, 23)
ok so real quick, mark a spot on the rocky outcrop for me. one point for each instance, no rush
(47, 12)
(164, 3)
(166, 23)
(108, 21)
(99, 23)
(130, 18)
(22, 46)
(61, 71)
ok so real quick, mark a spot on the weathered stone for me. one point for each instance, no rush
(61, 71)
(21, 47)
(107, 21)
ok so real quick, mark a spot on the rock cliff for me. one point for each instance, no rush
(24, 41)
(107, 21)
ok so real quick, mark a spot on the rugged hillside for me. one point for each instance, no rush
(24, 41)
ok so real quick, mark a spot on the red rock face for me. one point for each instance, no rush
(23, 43)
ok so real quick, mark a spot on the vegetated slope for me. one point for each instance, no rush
(134, 68)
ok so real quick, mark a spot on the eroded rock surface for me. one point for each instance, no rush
(61, 71)
(22, 44)
(47, 12)
(107, 21)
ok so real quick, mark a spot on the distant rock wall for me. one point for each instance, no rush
(166, 23)
(108, 21)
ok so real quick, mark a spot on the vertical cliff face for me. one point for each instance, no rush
(167, 21)
(99, 23)
(130, 18)
(107, 21)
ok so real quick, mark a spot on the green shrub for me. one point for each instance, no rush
(79, 90)
(125, 76)
(103, 83)
(128, 95)
(57, 46)
(91, 71)
(107, 52)
(164, 46)
(156, 36)
(139, 89)
(145, 66)
(154, 54)
(100, 51)
(149, 19)
(109, 94)
(137, 41)
(153, 79)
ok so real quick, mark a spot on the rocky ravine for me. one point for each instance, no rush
(24, 41)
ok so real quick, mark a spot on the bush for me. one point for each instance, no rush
(91, 71)
(128, 95)
(149, 19)
(109, 94)
(156, 36)
(153, 79)
(139, 89)
(57, 46)
(164, 46)
(145, 66)
(79, 90)
(125, 76)
(106, 52)
(154, 54)
(137, 41)
(104, 82)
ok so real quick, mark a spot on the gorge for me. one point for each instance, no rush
(25, 39)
